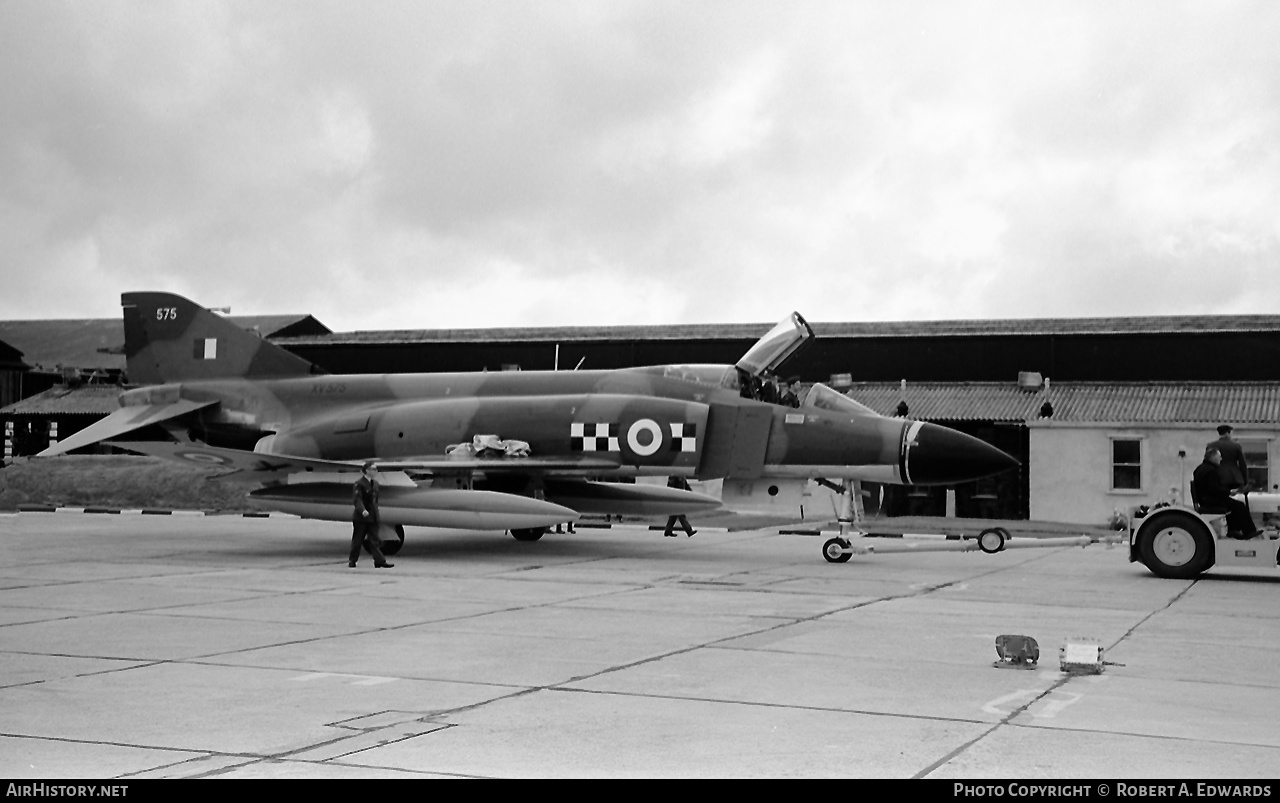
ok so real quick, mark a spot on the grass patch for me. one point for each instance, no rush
(119, 481)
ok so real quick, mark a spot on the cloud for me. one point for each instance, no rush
(404, 164)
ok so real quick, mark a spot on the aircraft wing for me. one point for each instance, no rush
(234, 459)
(259, 463)
(123, 420)
(503, 465)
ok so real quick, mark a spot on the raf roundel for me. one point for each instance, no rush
(637, 440)
(204, 458)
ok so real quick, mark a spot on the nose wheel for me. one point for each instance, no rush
(836, 550)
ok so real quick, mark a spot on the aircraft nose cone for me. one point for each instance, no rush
(942, 456)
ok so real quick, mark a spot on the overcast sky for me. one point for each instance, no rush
(387, 165)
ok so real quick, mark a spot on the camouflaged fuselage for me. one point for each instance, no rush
(687, 420)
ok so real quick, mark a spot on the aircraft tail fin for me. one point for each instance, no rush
(168, 338)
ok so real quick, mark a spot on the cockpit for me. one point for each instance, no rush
(817, 395)
(718, 376)
(755, 375)
(824, 398)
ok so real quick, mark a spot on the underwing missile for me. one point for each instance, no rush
(424, 507)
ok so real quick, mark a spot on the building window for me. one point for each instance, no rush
(1126, 464)
(1255, 457)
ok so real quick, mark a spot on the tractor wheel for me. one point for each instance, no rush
(1176, 545)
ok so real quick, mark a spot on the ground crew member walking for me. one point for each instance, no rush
(672, 521)
(364, 519)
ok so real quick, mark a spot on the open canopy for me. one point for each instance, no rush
(779, 345)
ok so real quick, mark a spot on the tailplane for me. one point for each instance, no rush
(170, 339)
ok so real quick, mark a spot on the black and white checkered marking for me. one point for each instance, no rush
(594, 437)
(684, 437)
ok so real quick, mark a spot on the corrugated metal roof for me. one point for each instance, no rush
(1151, 324)
(93, 400)
(558, 334)
(1136, 402)
(751, 331)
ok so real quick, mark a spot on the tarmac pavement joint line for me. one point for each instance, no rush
(922, 590)
(386, 727)
(344, 747)
(1033, 699)
(992, 707)
(128, 668)
(324, 753)
(208, 659)
(369, 731)
(928, 589)
(222, 762)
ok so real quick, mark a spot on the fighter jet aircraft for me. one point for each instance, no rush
(518, 451)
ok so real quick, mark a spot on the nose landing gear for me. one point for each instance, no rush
(836, 550)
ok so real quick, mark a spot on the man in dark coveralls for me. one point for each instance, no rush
(791, 396)
(364, 519)
(1214, 496)
(672, 521)
(1234, 469)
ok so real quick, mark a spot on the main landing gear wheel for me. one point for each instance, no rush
(992, 540)
(1176, 545)
(529, 534)
(389, 546)
(834, 550)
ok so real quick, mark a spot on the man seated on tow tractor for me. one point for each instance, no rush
(1213, 495)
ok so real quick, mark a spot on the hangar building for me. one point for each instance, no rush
(1103, 413)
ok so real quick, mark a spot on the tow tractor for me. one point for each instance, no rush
(1171, 539)
(1180, 542)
